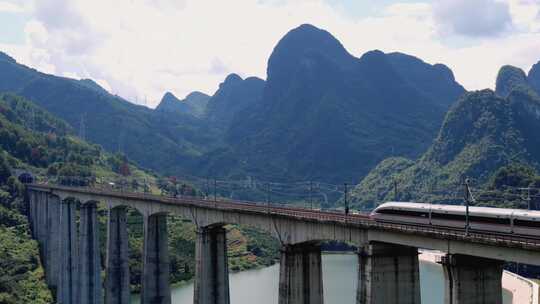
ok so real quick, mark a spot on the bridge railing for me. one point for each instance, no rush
(181, 191)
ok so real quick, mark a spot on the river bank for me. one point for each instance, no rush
(521, 290)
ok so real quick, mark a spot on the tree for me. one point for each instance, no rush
(5, 171)
(513, 175)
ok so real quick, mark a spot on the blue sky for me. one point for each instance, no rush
(364, 8)
(140, 49)
(12, 28)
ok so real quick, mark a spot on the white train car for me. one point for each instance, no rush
(515, 221)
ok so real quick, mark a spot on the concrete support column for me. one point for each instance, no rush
(68, 280)
(155, 279)
(53, 254)
(117, 280)
(90, 261)
(388, 274)
(300, 275)
(42, 225)
(212, 272)
(32, 212)
(39, 221)
(472, 280)
(44, 218)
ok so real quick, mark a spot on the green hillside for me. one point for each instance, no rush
(482, 133)
(194, 104)
(152, 139)
(32, 139)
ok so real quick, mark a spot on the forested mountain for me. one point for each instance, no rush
(152, 139)
(436, 81)
(233, 96)
(534, 77)
(194, 104)
(510, 78)
(483, 132)
(33, 139)
(321, 114)
(327, 115)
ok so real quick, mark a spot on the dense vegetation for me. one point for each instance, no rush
(21, 273)
(247, 248)
(512, 186)
(32, 139)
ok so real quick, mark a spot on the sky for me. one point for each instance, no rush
(140, 49)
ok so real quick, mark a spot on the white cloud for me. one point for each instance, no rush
(36, 34)
(9, 7)
(526, 15)
(139, 48)
(475, 18)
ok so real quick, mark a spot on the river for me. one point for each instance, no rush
(339, 274)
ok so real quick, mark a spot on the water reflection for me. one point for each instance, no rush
(340, 279)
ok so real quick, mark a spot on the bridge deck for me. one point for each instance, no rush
(362, 221)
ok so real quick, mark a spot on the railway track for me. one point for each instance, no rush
(309, 214)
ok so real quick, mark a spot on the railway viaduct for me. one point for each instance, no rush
(388, 269)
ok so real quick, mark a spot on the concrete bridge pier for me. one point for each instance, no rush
(90, 261)
(68, 280)
(156, 266)
(44, 220)
(300, 274)
(117, 279)
(388, 274)
(472, 280)
(33, 203)
(38, 221)
(212, 272)
(53, 253)
(41, 225)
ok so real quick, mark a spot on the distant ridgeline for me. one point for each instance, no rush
(322, 114)
(490, 137)
(32, 139)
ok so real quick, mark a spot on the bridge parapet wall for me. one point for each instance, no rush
(389, 247)
(293, 226)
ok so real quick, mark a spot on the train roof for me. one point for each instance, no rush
(458, 209)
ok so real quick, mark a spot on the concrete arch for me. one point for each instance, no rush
(90, 202)
(141, 209)
(71, 199)
(291, 232)
(164, 213)
(216, 225)
(286, 230)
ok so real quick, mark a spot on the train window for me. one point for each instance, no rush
(490, 220)
(526, 223)
(403, 212)
(479, 219)
(446, 216)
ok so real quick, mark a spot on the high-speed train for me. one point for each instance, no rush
(515, 221)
